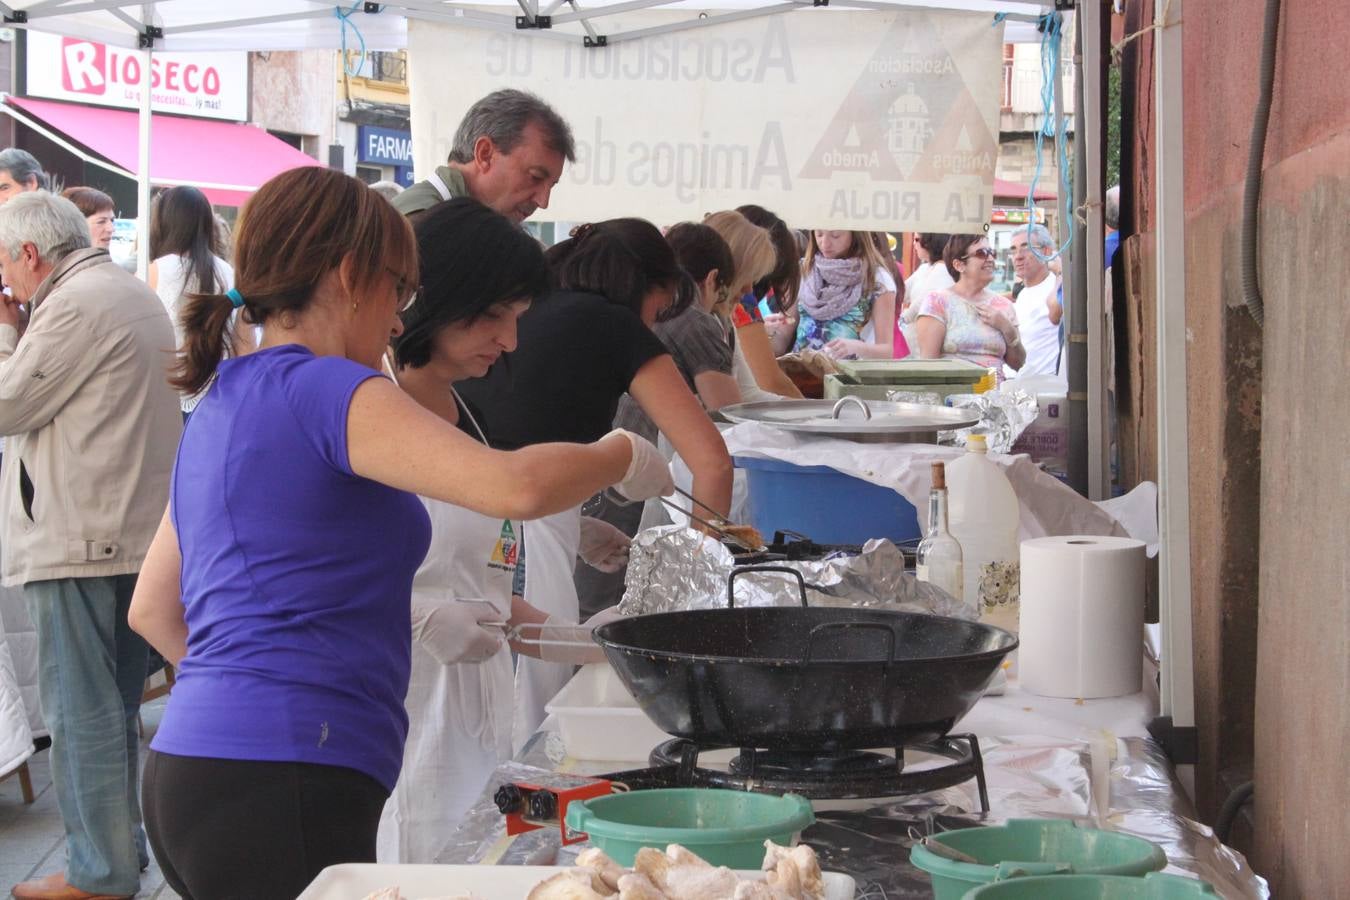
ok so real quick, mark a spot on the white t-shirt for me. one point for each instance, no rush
(928, 277)
(1040, 336)
(172, 287)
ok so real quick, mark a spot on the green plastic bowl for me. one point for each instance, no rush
(726, 828)
(1025, 847)
(1153, 886)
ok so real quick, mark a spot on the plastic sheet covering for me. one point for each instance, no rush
(1004, 415)
(1145, 801)
(1028, 777)
(672, 569)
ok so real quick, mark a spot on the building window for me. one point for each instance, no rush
(386, 66)
(370, 174)
(1008, 54)
(295, 140)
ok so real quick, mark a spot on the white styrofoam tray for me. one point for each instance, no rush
(354, 881)
(600, 720)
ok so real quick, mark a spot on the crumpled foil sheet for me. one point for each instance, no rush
(1004, 415)
(671, 568)
(1028, 777)
(1145, 801)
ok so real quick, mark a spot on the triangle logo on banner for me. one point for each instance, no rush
(896, 116)
(961, 145)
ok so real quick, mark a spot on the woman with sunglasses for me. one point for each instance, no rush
(968, 321)
(280, 580)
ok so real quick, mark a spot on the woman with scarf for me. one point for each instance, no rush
(845, 284)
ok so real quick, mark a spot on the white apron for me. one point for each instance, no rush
(459, 716)
(551, 545)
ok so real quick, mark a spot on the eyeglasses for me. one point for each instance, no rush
(982, 253)
(402, 287)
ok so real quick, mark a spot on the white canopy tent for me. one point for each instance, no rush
(184, 25)
(181, 25)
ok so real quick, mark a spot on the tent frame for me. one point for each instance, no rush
(139, 18)
(148, 35)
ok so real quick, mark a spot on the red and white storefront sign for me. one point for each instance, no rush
(208, 84)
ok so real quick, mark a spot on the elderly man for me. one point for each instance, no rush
(508, 153)
(1038, 305)
(20, 172)
(93, 426)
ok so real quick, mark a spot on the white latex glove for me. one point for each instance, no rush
(563, 642)
(648, 474)
(451, 630)
(603, 547)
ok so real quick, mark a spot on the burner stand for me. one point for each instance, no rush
(816, 776)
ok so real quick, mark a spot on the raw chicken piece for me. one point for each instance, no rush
(758, 890)
(700, 882)
(389, 893)
(785, 878)
(573, 884)
(803, 858)
(635, 886)
(653, 864)
(683, 856)
(610, 871)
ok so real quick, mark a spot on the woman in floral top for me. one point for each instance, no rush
(845, 283)
(968, 321)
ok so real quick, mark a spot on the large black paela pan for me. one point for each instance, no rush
(803, 678)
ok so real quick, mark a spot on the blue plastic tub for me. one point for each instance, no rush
(827, 506)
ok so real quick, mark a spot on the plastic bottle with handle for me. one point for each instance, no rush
(984, 517)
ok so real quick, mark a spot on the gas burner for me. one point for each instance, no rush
(792, 763)
(845, 775)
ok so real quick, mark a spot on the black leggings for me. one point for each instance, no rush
(225, 829)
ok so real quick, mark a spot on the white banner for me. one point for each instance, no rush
(204, 84)
(859, 119)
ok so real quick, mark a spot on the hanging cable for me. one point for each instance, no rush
(1050, 26)
(344, 15)
(1256, 154)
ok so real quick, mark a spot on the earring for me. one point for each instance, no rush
(353, 306)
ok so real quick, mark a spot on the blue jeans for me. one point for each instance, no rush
(91, 674)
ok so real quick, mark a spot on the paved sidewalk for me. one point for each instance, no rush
(32, 838)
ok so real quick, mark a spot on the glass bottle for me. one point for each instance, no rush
(939, 556)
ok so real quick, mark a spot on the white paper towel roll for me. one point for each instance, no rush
(1082, 622)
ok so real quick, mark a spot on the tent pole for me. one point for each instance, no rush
(1074, 300)
(1093, 249)
(1174, 511)
(143, 159)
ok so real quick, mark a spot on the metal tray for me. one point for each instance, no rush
(855, 419)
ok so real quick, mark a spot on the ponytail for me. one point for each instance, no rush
(205, 319)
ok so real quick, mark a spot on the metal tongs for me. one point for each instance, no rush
(514, 633)
(716, 524)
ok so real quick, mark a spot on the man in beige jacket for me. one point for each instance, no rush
(92, 428)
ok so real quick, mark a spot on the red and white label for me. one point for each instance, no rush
(209, 84)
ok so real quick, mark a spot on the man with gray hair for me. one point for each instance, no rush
(20, 172)
(508, 153)
(92, 427)
(1038, 305)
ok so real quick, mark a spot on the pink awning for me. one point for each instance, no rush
(1005, 188)
(225, 159)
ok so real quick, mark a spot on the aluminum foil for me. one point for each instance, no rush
(673, 568)
(1028, 777)
(928, 398)
(1146, 801)
(1004, 415)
